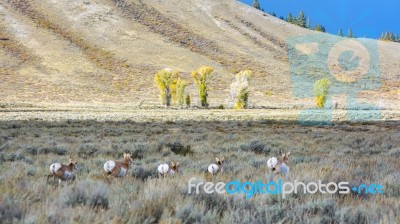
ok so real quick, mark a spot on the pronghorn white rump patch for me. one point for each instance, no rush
(271, 163)
(109, 166)
(213, 168)
(163, 168)
(54, 168)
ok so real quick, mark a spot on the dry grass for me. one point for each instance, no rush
(13, 49)
(102, 58)
(117, 45)
(341, 152)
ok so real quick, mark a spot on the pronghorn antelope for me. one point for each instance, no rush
(214, 168)
(164, 169)
(62, 172)
(118, 169)
(278, 166)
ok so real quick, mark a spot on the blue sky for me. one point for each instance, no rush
(367, 18)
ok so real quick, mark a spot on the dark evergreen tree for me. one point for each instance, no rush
(390, 36)
(256, 4)
(319, 28)
(350, 33)
(302, 20)
(290, 18)
(340, 33)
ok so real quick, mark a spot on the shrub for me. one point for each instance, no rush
(201, 77)
(10, 211)
(324, 209)
(256, 147)
(92, 193)
(31, 171)
(32, 150)
(76, 195)
(139, 151)
(189, 215)
(35, 150)
(87, 151)
(358, 214)
(12, 157)
(165, 80)
(60, 151)
(211, 202)
(321, 88)
(240, 89)
(98, 197)
(179, 149)
(142, 173)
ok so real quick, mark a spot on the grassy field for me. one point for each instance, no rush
(77, 81)
(106, 52)
(350, 152)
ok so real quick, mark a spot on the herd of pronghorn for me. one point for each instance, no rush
(120, 168)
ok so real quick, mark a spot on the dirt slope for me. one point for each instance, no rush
(103, 53)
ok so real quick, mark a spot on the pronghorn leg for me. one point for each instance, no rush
(108, 178)
(48, 176)
(112, 174)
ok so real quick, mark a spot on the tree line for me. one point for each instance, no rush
(172, 88)
(304, 21)
(390, 36)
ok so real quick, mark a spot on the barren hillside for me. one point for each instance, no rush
(104, 53)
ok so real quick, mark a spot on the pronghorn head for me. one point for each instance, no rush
(220, 162)
(128, 158)
(174, 166)
(73, 164)
(285, 157)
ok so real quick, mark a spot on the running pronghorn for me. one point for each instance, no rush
(164, 169)
(62, 172)
(214, 168)
(118, 169)
(278, 166)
